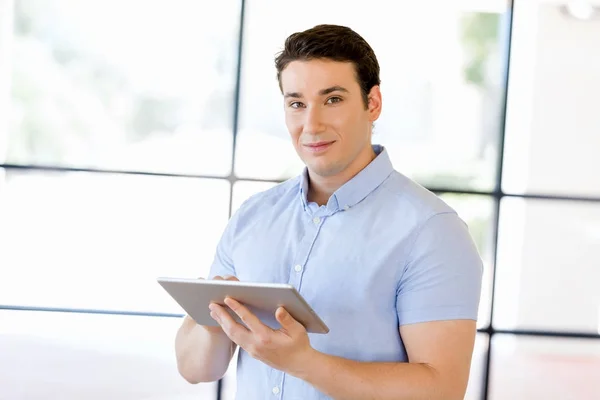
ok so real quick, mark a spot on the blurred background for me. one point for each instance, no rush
(130, 131)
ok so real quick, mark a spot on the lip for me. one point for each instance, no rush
(318, 147)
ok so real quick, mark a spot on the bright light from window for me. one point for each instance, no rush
(581, 10)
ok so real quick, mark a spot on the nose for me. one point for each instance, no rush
(313, 121)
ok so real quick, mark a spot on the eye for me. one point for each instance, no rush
(333, 100)
(296, 104)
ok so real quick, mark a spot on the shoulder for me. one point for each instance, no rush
(264, 202)
(414, 204)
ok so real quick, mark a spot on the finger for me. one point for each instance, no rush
(236, 332)
(218, 278)
(248, 318)
(230, 278)
(288, 322)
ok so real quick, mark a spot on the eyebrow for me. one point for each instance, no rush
(322, 92)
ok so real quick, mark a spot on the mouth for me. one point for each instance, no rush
(318, 147)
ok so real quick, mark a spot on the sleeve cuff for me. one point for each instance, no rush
(436, 314)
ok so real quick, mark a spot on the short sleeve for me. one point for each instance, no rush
(442, 277)
(223, 263)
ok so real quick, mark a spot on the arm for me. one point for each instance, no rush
(203, 353)
(439, 355)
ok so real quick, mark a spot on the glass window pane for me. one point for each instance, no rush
(86, 356)
(478, 212)
(552, 138)
(6, 7)
(88, 240)
(548, 271)
(475, 387)
(230, 379)
(242, 190)
(544, 368)
(132, 85)
(441, 109)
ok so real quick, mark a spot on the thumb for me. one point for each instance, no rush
(287, 321)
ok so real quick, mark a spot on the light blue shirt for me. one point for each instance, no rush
(383, 252)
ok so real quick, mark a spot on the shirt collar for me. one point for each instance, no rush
(357, 188)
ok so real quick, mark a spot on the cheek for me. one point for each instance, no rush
(293, 125)
(345, 123)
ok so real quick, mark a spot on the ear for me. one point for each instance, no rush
(374, 106)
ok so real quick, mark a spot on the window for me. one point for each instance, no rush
(441, 80)
(552, 136)
(116, 118)
(118, 164)
(548, 266)
(99, 241)
(131, 85)
(76, 356)
(568, 368)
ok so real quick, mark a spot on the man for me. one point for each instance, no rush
(389, 267)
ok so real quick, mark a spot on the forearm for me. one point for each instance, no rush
(203, 354)
(348, 380)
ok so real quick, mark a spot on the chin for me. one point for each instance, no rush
(324, 169)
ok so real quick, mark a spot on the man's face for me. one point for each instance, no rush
(326, 115)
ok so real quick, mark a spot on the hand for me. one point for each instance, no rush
(285, 349)
(217, 329)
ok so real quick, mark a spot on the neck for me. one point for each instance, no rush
(320, 188)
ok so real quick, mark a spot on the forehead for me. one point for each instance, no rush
(308, 77)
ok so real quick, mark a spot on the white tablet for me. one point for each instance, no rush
(262, 299)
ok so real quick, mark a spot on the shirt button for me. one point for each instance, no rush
(316, 220)
(346, 207)
(275, 390)
(298, 268)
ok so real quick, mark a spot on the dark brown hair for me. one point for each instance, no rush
(336, 43)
